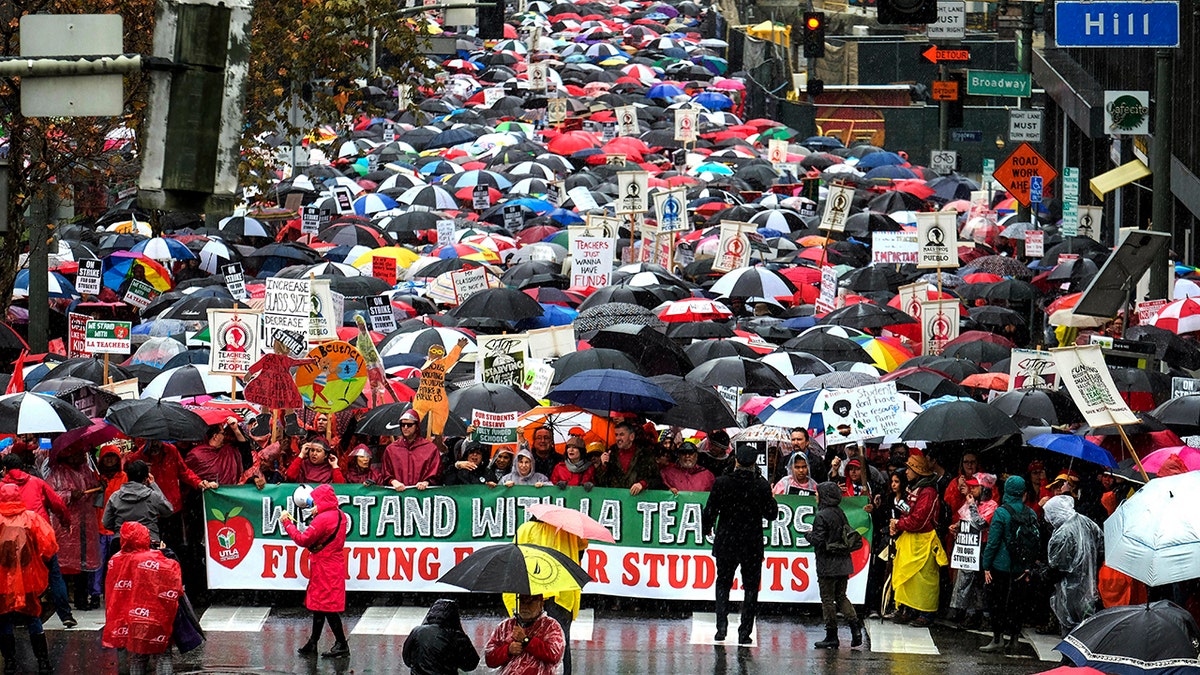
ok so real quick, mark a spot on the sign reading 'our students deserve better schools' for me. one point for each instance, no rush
(405, 542)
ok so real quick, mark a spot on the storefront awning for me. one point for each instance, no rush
(1119, 177)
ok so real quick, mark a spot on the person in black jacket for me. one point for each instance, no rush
(737, 506)
(440, 646)
(472, 469)
(833, 567)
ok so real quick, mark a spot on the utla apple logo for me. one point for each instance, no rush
(229, 537)
(862, 556)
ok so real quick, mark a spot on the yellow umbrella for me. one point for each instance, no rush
(403, 256)
(517, 568)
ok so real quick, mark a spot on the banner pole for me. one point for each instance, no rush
(106, 380)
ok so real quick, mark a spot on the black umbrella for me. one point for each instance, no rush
(706, 350)
(929, 383)
(197, 356)
(751, 375)
(960, 421)
(699, 330)
(956, 369)
(195, 307)
(502, 304)
(654, 352)
(90, 369)
(1157, 637)
(634, 295)
(979, 351)
(1169, 347)
(41, 414)
(1182, 414)
(1010, 290)
(156, 420)
(516, 568)
(384, 420)
(1031, 407)
(828, 348)
(592, 359)
(699, 406)
(486, 396)
(865, 315)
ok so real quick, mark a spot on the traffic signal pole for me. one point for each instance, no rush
(943, 114)
(1025, 65)
(1160, 204)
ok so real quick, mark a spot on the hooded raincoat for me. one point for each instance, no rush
(327, 567)
(1074, 549)
(919, 553)
(531, 478)
(26, 543)
(827, 527)
(439, 646)
(78, 540)
(995, 553)
(142, 593)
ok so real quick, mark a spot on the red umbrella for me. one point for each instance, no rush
(993, 381)
(572, 142)
(532, 235)
(981, 336)
(86, 437)
(982, 278)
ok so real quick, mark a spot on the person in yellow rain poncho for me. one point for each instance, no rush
(562, 606)
(919, 554)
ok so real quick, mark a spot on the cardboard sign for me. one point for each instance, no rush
(1184, 386)
(494, 428)
(537, 76)
(827, 300)
(686, 122)
(556, 110)
(501, 359)
(468, 283)
(235, 280)
(539, 376)
(1091, 386)
(77, 335)
(286, 308)
(937, 240)
(1035, 243)
(582, 197)
(872, 411)
(837, 208)
(335, 377)
(1032, 369)
(894, 248)
(733, 248)
(550, 343)
(87, 280)
(234, 341)
(627, 121)
(445, 232)
(777, 151)
(1149, 309)
(912, 295)
(513, 218)
(323, 315)
(939, 324)
(384, 267)
(480, 198)
(554, 189)
(591, 261)
(379, 311)
(1090, 220)
(310, 219)
(968, 548)
(670, 210)
(139, 294)
(343, 199)
(107, 337)
(633, 190)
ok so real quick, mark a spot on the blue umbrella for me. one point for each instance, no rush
(553, 315)
(713, 101)
(822, 142)
(883, 158)
(539, 206)
(613, 391)
(564, 217)
(1075, 446)
(891, 172)
(57, 284)
(664, 91)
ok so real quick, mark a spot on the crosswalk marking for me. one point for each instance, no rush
(704, 629)
(897, 638)
(234, 619)
(582, 626)
(90, 620)
(1043, 644)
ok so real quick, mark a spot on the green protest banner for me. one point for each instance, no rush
(405, 541)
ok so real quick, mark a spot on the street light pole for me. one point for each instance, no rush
(1160, 204)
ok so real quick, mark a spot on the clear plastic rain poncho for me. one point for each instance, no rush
(1074, 549)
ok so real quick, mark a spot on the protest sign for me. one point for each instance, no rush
(501, 359)
(343, 199)
(937, 240)
(968, 548)
(1184, 386)
(77, 335)
(894, 248)
(445, 232)
(837, 208)
(939, 324)
(539, 377)
(671, 211)
(582, 198)
(481, 199)
(87, 279)
(310, 219)
(1031, 369)
(235, 281)
(234, 341)
(323, 315)
(591, 261)
(334, 378)
(871, 411)
(827, 300)
(286, 308)
(1091, 386)
(379, 311)
(139, 294)
(633, 190)
(912, 295)
(627, 121)
(1149, 309)
(405, 542)
(552, 342)
(494, 428)
(468, 282)
(107, 337)
(733, 247)
(685, 125)
(384, 267)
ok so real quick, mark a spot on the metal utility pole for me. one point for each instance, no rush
(1160, 213)
(943, 114)
(1025, 65)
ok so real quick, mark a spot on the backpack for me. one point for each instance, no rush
(1023, 540)
(848, 543)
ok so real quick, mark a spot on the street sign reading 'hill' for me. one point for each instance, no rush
(1116, 24)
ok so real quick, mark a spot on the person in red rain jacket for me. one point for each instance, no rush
(530, 643)
(325, 539)
(317, 463)
(169, 471)
(686, 474)
(26, 544)
(40, 498)
(142, 591)
(577, 468)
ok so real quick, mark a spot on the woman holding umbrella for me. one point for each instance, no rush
(325, 539)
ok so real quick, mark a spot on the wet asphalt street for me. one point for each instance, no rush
(251, 637)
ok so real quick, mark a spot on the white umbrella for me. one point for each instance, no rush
(1154, 536)
(186, 382)
(30, 413)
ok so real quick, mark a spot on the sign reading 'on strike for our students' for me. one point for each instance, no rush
(404, 542)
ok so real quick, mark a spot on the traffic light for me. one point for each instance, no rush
(490, 18)
(815, 87)
(814, 35)
(907, 12)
